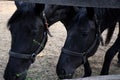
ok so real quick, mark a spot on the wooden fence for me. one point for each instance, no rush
(107, 77)
(82, 3)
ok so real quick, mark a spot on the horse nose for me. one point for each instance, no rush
(63, 71)
(62, 74)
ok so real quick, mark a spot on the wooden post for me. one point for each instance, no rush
(107, 77)
(82, 3)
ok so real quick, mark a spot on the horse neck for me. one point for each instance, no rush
(69, 17)
(106, 17)
(49, 12)
(66, 19)
(107, 24)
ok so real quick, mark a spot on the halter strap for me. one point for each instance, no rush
(72, 53)
(30, 56)
(19, 55)
(46, 24)
(83, 54)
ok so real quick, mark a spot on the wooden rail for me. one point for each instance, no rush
(107, 77)
(82, 3)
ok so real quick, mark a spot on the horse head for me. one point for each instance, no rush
(29, 36)
(81, 42)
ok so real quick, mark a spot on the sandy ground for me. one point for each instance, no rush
(45, 64)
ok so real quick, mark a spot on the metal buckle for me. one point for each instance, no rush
(33, 57)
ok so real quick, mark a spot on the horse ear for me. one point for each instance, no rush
(90, 13)
(39, 8)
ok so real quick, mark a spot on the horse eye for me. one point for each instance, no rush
(84, 34)
(34, 32)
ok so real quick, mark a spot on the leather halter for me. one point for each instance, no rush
(41, 45)
(98, 38)
(33, 55)
(82, 54)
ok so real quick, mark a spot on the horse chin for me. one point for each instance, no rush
(66, 76)
(65, 73)
(16, 69)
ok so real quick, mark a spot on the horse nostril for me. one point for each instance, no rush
(63, 71)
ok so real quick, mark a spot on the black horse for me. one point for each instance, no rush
(109, 18)
(29, 34)
(108, 38)
(82, 41)
(111, 52)
(74, 54)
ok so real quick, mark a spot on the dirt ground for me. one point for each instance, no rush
(44, 67)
